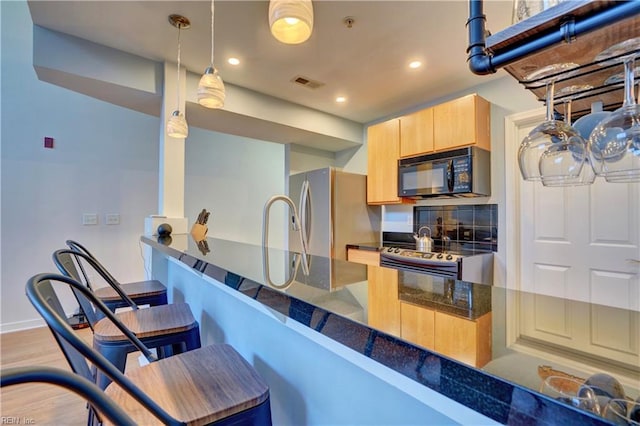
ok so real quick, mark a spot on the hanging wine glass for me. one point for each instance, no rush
(585, 125)
(547, 133)
(566, 163)
(615, 141)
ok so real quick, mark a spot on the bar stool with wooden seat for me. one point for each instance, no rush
(148, 292)
(210, 385)
(169, 328)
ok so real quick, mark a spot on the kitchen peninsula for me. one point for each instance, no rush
(323, 362)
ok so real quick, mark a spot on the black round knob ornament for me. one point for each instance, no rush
(164, 230)
(165, 239)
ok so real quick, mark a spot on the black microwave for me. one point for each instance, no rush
(463, 172)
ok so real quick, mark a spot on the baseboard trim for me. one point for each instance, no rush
(21, 325)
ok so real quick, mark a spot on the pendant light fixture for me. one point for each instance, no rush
(211, 92)
(291, 21)
(177, 125)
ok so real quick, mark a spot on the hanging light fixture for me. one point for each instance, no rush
(211, 92)
(291, 21)
(177, 124)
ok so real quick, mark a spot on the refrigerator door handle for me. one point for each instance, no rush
(305, 199)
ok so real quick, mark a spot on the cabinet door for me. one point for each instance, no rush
(462, 339)
(462, 122)
(416, 133)
(417, 325)
(383, 304)
(383, 148)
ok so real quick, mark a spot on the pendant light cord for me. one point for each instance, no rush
(178, 96)
(212, 15)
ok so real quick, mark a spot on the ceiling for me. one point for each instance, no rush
(366, 63)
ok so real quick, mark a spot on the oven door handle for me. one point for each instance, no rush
(450, 175)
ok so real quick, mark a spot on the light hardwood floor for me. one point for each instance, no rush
(41, 404)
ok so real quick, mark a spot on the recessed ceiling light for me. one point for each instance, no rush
(233, 61)
(341, 99)
(415, 64)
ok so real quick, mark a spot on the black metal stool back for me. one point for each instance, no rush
(66, 261)
(72, 382)
(76, 246)
(41, 294)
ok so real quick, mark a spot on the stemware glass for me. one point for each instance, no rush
(622, 412)
(615, 142)
(547, 133)
(585, 125)
(566, 163)
(572, 392)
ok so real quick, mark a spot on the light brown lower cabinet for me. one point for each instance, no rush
(464, 340)
(383, 304)
(418, 325)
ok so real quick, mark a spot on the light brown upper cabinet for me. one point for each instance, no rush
(461, 122)
(416, 133)
(383, 149)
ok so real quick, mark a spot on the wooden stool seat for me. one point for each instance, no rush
(156, 321)
(170, 328)
(197, 387)
(135, 290)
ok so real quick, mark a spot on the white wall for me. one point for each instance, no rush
(105, 160)
(233, 177)
(303, 159)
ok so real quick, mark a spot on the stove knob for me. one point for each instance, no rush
(449, 257)
(439, 256)
(397, 250)
(390, 249)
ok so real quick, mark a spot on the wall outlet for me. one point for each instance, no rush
(112, 219)
(89, 218)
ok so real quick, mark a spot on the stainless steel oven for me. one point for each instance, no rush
(476, 267)
(464, 172)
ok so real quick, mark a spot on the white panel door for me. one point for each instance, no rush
(581, 242)
(577, 260)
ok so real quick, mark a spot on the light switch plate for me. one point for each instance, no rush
(112, 219)
(89, 218)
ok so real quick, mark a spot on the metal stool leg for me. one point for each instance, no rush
(116, 354)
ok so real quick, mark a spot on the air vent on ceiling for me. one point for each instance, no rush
(306, 82)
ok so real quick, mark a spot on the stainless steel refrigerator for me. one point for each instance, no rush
(333, 211)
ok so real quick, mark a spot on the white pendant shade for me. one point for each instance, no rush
(291, 21)
(177, 126)
(211, 92)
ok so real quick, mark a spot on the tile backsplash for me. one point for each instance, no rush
(473, 226)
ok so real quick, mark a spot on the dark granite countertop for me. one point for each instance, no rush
(330, 301)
